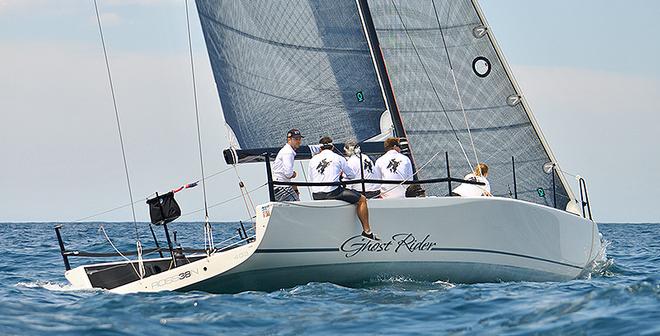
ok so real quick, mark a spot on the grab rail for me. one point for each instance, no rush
(584, 198)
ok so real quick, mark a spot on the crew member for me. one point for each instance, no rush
(480, 174)
(367, 168)
(394, 166)
(327, 166)
(283, 167)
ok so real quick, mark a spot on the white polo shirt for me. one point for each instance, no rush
(472, 190)
(283, 164)
(369, 169)
(328, 166)
(397, 167)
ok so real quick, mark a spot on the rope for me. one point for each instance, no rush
(209, 246)
(119, 252)
(138, 246)
(435, 91)
(114, 103)
(242, 185)
(246, 198)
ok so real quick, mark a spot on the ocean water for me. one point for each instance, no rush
(621, 298)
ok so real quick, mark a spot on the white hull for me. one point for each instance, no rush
(460, 240)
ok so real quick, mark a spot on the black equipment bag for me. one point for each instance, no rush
(415, 190)
(163, 209)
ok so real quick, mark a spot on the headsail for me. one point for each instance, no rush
(422, 41)
(292, 64)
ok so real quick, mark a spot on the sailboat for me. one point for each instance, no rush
(427, 71)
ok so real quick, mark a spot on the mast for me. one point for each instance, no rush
(379, 63)
(383, 76)
(523, 101)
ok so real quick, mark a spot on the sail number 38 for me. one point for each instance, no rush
(184, 275)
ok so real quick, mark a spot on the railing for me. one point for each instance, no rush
(66, 254)
(362, 180)
(584, 198)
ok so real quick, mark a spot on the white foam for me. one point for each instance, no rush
(445, 284)
(52, 286)
(600, 264)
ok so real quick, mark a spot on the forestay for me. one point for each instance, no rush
(421, 42)
(292, 64)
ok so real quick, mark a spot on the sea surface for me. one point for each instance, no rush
(622, 297)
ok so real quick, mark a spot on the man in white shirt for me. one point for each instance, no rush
(366, 167)
(480, 174)
(283, 167)
(394, 166)
(327, 166)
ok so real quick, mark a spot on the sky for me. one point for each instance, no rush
(588, 68)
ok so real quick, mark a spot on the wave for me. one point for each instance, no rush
(54, 286)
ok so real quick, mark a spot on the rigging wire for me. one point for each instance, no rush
(142, 199)
(225, 201)
(246, 198)
(302, 169)
(208, 230)
(114, 103)
(199, 133)
(242, 185)
(453, 74)
(428, 77)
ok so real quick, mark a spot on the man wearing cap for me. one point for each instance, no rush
(283, 167)
(394, 166)
(328, 166)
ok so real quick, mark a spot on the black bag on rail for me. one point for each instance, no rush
(163, 209)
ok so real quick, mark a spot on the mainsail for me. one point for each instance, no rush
(422, 42)
(307, 64)
(292, 64)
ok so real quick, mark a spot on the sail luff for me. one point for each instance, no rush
(373, 57)
(526, 107)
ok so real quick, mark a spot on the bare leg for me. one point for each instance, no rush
(363, 213)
